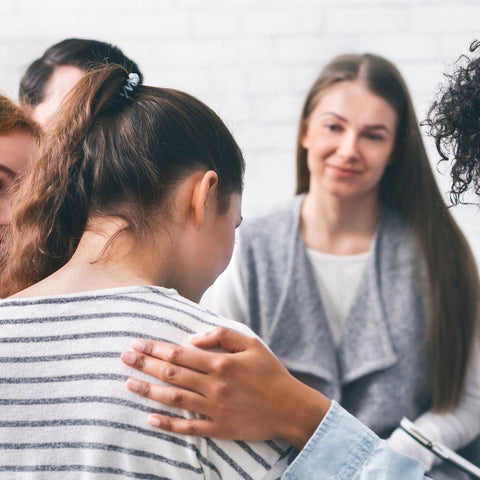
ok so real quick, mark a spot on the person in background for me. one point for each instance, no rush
(42, 89)
(19, 138)
(49, 78)
(372, 288)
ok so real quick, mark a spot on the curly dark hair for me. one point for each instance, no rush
(454, 123)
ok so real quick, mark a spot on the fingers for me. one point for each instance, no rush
(174, 397)
(197, 427)
(174, 354)
(168, 372)
(222, 337)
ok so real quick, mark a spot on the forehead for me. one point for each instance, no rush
(62, 80)
(16, 149)
(356, 103)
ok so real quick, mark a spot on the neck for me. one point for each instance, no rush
(100, 263)
(339, 226)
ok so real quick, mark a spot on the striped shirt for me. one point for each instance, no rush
(65, 411)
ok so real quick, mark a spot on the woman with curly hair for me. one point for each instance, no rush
(454, 121)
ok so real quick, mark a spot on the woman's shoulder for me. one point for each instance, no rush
(205, 319)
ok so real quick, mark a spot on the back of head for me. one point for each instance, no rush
(115, 149)
(76, 52)
(454, 121)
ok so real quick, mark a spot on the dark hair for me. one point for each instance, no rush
(76, 52)
(113, 155)
(13, 118)
(408, 187)
(454, 123)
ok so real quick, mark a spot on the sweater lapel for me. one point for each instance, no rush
(366, 346)
(299, 333)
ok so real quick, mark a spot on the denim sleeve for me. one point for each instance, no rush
(342, 448)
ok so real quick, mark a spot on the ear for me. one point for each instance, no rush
(204, 196)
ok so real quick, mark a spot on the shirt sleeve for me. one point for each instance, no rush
(454, 429)
(344, 448)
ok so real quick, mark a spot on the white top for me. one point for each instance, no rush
(338, 278)
(454, 429)
(65, 411)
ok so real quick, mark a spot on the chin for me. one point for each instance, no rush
(346, 190)
(343, 193)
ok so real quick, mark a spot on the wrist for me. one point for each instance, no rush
(305, 409)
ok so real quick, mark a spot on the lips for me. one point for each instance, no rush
(344, 172)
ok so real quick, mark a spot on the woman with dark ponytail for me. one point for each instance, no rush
(126, 218)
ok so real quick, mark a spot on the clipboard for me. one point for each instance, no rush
(439, 450)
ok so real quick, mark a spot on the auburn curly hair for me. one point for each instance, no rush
(454, 123)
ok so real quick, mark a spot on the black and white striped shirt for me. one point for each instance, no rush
(65, 411)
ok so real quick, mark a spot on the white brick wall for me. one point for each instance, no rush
(253, 60)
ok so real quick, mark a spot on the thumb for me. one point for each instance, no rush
(229, 340)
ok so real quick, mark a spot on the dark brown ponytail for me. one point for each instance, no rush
(111, 154)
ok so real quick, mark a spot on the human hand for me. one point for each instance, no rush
(244, 394)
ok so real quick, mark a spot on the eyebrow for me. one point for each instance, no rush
(379, 126)
(7, 171)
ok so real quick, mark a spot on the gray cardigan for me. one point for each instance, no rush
(381, 370)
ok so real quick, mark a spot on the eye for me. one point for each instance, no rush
(333, 127)
(375, 137)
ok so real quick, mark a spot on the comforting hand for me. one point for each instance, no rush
(246, 394)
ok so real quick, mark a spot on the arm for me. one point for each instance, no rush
(247, 394)
(344, 448)
(454, 429)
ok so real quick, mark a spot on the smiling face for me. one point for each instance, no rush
(17, 149)
(349, 138)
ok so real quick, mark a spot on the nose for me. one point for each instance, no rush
(348, 146)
